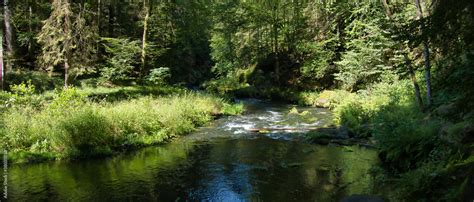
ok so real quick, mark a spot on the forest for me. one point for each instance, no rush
(90, 80)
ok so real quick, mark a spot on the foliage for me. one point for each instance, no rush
(317, 62)
(73, 46)
(299, 51)
(224, 85)
(418, 151)
(232, 109)
(159, 76)
(40, 80)
(66, 99)
(357, 111)
(22, 95)
(123, 59)
(368, 50)
(70, 126)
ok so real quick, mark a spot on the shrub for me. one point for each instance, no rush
(22, 95)
(405, 141)
(16, 134)
(67, 99)
(86, 131)
(357, 111)
(159, 76)
(307, 98)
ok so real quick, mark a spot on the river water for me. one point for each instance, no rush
(219, 162)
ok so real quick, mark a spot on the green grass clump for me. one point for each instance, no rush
(358, 111)
(71, 126)
(326, 98)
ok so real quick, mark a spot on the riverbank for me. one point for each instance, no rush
(421, 151)
(74, 123)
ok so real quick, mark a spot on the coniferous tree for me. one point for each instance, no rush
(67, 40)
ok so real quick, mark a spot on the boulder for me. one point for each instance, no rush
(322, 102)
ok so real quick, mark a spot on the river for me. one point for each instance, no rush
(219, 162)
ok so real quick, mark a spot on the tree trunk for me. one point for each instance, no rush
(99, 4)
(415, 83)
(426, 54)
(275, 41)
(66, 73)
(145, 28)
(30, 26)
(67, 29)
(8, 35)
(387, 9)
(1, 58)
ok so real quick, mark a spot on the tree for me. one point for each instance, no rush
(146, 10)
(407, 60)
(67, 41)
(426, 54)
(1, 58)
(123, 56)
(368, 49)
(8, 32)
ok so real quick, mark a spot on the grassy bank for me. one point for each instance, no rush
(72, 123)
(422, 152)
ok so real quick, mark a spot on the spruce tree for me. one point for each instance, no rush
(66, 40)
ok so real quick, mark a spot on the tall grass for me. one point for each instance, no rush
(70, 126)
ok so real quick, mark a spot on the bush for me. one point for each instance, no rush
(405, 141)
(357, 111)
(67, 99)
(21, 95)
(86, 131)
(159, 76)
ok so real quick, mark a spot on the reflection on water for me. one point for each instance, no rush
(222, 162)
